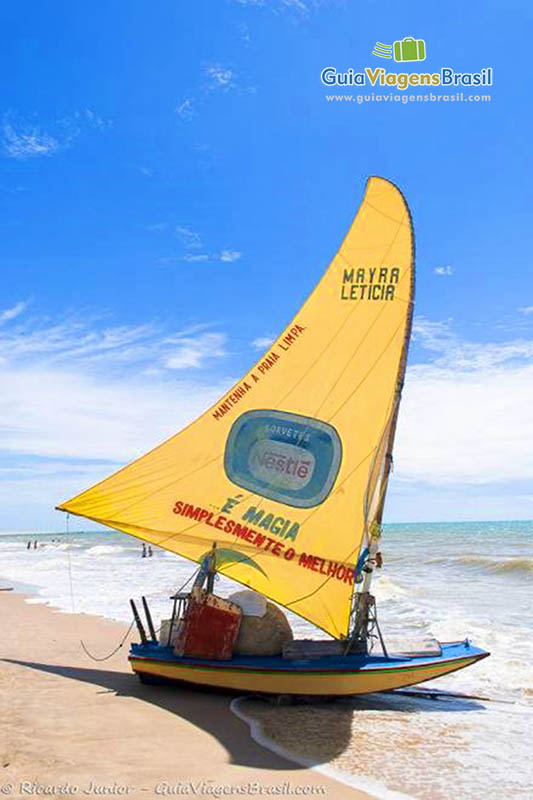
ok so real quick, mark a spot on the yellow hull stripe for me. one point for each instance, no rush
(293, 682)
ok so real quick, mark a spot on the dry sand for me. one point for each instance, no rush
(73, 727)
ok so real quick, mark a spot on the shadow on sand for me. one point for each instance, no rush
(216, 719)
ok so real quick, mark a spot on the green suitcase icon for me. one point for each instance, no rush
(410, 49)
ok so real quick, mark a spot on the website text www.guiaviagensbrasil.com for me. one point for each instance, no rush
(392, 97)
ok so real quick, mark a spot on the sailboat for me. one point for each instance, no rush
(281, 486)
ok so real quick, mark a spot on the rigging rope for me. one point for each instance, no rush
(67, 531)
(132, 623)
(112, 653)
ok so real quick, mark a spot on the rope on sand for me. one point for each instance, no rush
(117, 648)
(112, 653)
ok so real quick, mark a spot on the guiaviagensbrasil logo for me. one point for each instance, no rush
(407, 49)
(405, 52)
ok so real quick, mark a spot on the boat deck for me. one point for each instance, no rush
(336, 663)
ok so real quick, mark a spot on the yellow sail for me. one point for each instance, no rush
(287, 470)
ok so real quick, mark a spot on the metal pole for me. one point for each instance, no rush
(211, 570)
(149, 619)
(170, 627)
(138, 622)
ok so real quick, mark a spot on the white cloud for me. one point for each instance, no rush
(78, 399)
(23, 138)
(527, 310)
(58, 413)
(194, 353)
(300, 6)
(225, 256)
(444, 271)
(30, 491)
(466, 417)
(194, 257)
(73, 340)
(262, 342)
(13, 312)
(214, 78)
(230, 255)
(27, 142)
(219, 77)
(189, 238)
(186, 109)
(84, 343)
(95, 119)
(244, 32)
(471, 427)
(459, 354)
(70, 429)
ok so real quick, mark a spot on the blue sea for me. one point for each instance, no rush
(451, 581)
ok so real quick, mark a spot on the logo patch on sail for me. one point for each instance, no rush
(283, 465)
(285, 457)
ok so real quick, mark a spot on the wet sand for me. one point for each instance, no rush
(73, 727)
(413, 746)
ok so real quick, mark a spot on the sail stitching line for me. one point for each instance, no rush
(378, 315)
(387, 216)
(353, 355)
(400, 326)
(355, 549)
(348, 317)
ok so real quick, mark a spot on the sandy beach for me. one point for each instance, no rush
(68, 718)
(76, 727)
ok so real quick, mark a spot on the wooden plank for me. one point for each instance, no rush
(310, 648)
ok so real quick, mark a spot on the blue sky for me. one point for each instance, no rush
(173, 183)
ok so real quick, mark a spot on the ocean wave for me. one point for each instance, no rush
(61, 545)
(104, 549)
(491, 564)
(387, 589)
(524, 565)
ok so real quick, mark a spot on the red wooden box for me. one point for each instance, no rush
(209, 628)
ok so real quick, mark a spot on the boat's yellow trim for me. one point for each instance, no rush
(308, 683)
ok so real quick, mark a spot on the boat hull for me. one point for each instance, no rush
(327, 676)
